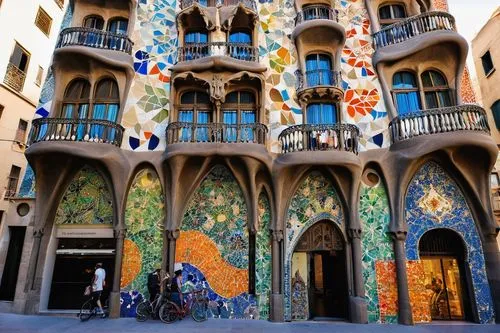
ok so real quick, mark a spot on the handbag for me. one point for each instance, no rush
(88, 291)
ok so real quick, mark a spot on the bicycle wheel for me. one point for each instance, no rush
(168, 312)
(143, 311)
(199, 311)
(86, 311)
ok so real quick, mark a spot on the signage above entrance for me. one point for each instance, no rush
(84, 233)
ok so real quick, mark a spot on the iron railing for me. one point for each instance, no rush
(449, 119)
(240, 51)
(310, 137)
(412, 27)
(318, 77)
(14, 77)
(216, 3)
(95, 38)
(178, 132)
(316, 12)
(68, 129)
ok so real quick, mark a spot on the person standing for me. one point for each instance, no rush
(98, 284)
(154, 284)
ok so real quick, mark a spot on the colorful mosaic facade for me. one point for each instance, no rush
(143, 248)
(434, 200)
(263, 268)
(313, 201)
(376, 243)
(87, 200)
(213, 246)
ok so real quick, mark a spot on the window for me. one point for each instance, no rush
(17, 68)
(197, 52)
(242, 39)
(487, 63)
(494, 181)
(13, 179)
(316, 11)
(239, 108)
(495, 110)
(390, 14)
(118, 26)
(106, 107)
(21, 131)
(321, 113)
(436, 91)
(43, 21)
(405, 92)
(20, 58)
(39, 75)
(93, 22)
(76, 99)
(197, 37)
(318, 70)
(1, 110)
(195, 108)
(60, 3)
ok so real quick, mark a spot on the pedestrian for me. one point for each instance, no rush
(154, 279)
(176, 287)
(98, 284)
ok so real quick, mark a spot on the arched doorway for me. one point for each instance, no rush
(319, 275)
(443, 255)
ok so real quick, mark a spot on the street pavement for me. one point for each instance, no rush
(13, 323)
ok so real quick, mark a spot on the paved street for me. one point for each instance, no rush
(11, 323)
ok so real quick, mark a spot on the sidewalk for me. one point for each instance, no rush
(12, 323)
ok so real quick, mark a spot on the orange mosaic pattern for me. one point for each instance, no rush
(132, 262)
(387, 289)
(467, 93)
(361, 101)
(199, 250)
(441, 5)
(419, 295)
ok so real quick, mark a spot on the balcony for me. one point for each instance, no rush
(449, 119)
(94, 38)
(316, 12)
(14, 77)
(412, 27)
(217, 3)
(76, 130)
(181, 132)
(319, 82)
(239, 51)
(320, 137)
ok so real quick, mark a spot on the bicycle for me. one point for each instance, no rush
(147, 309)
(89, 309)
(196, 304)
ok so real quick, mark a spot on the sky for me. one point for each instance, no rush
(470, 17)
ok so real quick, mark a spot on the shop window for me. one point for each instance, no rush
(390, 14)
(405, 92)
(436, 91)
(321, 113)
(487, 63)
(43, 21)
(318, 70)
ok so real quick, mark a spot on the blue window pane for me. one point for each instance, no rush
(240, 37)
(230, 117)
(318, 70)
(407, 102)
(196, 37)
(404, 80)
(319, 113)
(187, 117)
(202, 132)
(118, 26)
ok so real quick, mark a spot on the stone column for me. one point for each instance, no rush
(405, 316)
(37, 241)
(277, 276)
(114, 296)
(357, 304)
(172, 236)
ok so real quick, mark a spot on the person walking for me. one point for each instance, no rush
(98, 284)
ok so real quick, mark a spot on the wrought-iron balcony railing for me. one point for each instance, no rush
(466, 117)
(412, 27)
(240, 51)
(318, 77)
(310, 137)
(14, 77)
(216, 3)
(316, 12)
(83, 130)
(178, 132)
(95, 38)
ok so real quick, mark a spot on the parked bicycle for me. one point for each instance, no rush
(147, 309)
(196, 304)
(90, 309)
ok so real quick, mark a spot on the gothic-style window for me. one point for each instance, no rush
(390, 14)
(436, 90)
(321, 113)
(239, 108)
(318, 70)
(195, 108)
(405, 92)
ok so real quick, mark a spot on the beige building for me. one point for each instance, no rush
(27, 44)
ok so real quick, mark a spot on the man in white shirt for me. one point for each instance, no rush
(98, 284)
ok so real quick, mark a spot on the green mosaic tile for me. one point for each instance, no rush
(263, 268)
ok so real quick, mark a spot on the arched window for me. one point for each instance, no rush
(118, 26)
(239, 108)
(76, 100)
(436, 91)
(390, 14)
(405, 92)
(495, 109)
(238, 40)
(318, 70)
(93, 22)
(321, 113)
(106, 100)
(195, 108)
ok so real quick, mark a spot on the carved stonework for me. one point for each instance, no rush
(322, 236)
(398, 235)
(354, 233)
(120, 233)
(38, 233)
(172, 235)
(277, 235)
(217, 89)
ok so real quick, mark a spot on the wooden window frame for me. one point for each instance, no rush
(240, 107)
(40, 15)
(392, 20)
(195, 107)
(435, 89)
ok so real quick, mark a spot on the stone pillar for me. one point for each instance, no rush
(492, 263)
(357, 303)
(172, 236)
(32, 287)
(277, 305)
(405, 316)
(114, 296)
(37, 241)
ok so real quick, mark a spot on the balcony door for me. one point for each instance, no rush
(240, 42)
(195, 108)
(321, 113)
(239, 108)
(318, 70)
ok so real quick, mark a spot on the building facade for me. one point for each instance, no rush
(298, 159)
(27, 46)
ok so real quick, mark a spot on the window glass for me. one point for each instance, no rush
(94, 22)
(495, 109)
(118, 26)
(437, 93)
(240, 37)
(196, 37)
(487, 63)
(321, 113)
(405, 90)
(318, 70)
(20, 58)
(404, 80)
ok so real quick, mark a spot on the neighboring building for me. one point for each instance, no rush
(28, 31)
(287, 159)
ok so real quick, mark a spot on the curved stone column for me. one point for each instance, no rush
(277, 306)
(405, 316)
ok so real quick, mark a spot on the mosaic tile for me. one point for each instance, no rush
(263, 265)
(459, 219)
(87, 200)
(143, 248)
(419, 294)
(27, 189)
(387, 290)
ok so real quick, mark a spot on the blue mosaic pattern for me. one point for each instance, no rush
(457, 218)
(27, 189)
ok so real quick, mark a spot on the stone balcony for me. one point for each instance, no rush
(324, 83)
(316, 12)
(219, 3)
